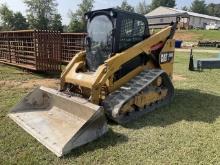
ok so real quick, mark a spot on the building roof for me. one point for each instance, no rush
(166, 11)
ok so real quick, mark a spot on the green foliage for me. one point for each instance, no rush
(213, 9)
(20, 22)
(166, 3)
(78, 22)
(199, 6)
(11, 20)
(56, 23)
(76, 25)
(40, 13)
(125, 6)
(142, 7)
(7, 17)
(185, 8)
(65, 28)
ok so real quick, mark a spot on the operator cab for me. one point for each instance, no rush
(111, 31)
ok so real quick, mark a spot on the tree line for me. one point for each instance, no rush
(44, 15)
(199, 6)
(41, 14)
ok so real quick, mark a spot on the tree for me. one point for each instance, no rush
(185, 8)
(199, 6)
(65, 28)
(56, 23)
(125, 6)
(20, 22)
(78, 22)
(11, 20)
(40, 13)
(7, 17)
(142, 7)
(166, 3)
(213, 9)
(76, 26)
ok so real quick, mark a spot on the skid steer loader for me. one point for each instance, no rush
(124, 73)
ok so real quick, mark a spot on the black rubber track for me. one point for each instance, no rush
(115, 101)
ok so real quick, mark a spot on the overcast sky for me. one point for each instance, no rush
(65, 6)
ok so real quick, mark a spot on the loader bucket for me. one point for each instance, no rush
(59, 122)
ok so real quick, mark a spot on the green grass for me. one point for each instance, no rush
(207, 34)
(198, 35)
(186, 132)
(207, 48)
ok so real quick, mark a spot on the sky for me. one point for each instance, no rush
(65, 6)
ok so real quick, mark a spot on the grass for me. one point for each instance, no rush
(207, 48)
(207, 34)
(186, 132)
(198, 35)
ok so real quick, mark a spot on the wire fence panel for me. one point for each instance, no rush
(39, 50)
(72, 43)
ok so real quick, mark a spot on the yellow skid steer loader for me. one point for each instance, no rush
(124, 73)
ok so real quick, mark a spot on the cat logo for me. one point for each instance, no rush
(166, 57)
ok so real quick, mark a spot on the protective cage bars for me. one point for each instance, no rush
(39, 50)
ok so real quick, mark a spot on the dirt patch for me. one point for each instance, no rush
(9, 84)
(179, 78)
(186, 36)
(50, 83)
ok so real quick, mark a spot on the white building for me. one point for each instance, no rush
(163, 15)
